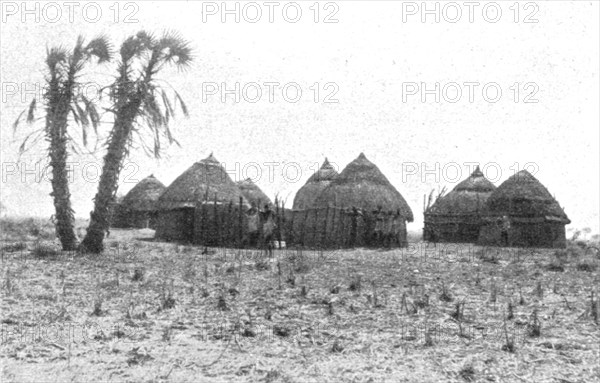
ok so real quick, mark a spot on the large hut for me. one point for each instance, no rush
(306, 196)
(535, 219)
(253, 193)
(203, 205)
(343, 213)
(138, 209)
(361, 184)
(456, 216)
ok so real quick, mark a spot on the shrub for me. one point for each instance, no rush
(445, 294)
(281, 331)
(587, 265)
(222, 303)
(488, 256)
(262, 264)
(561, 255)
(138, 274)
(458, 312)
(556, 265)
(300, 262)
(467, 373)
(534, 327)
(355, 283)
(12, 247)
(575, 251)
(25, 228)
(97, 308)
(422, 301)
(510, 312)
(337, 347)
(44, 251)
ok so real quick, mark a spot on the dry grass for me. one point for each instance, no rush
(158, 312)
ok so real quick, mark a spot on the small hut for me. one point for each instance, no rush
(535, 217)
(456, 216)
(342, 213)
(253, 193)
(203, 205)
(316, 183)
(138, 209)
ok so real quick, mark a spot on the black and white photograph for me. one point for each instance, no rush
(300, 191)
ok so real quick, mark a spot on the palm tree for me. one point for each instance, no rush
(139, 104)
(62, 101)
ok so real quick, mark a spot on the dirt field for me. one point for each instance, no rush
(153, 312)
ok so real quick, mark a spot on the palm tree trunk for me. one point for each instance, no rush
(65, 220)
(56, 126)
(118, 145)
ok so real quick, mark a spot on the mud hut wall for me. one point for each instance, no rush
(328, 228)
(451, 231)
(220, 225)
(525, 234)
(175, 225)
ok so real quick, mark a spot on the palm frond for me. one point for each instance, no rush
(82, 116)
(17, 121)
(75, 115)
(151, 109)
(147, 39)
(167, 104)
(30, 113)
(74, 147)
(91, 111)
(23, 146)
(84, 135)
(40, 135)
(175, 50)
(55, 56)
(184, 108)
(135, 46)
(101, 48)
(78, 54)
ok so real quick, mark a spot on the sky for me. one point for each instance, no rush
(507, 87)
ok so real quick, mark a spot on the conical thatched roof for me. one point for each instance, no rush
(253, 193)
(306, 196)
(144, 196)
(203, 179)
(522, 195)
(467, 198)
(362, 184)
(476, 182)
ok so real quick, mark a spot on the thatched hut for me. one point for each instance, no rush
(306, 196)
(203, 205)
(138, 209)
(253, 193)
(363, 185)
(343, 214)
(535, 217)
(456, 216)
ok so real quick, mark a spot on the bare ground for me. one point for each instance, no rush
(151, 312)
